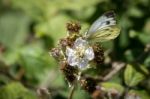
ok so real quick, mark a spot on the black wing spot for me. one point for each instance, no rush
(107, 22)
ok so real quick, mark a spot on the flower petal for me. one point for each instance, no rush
(72, 60)
(70, 52)
(80, 43)
(89, 53)
(82, 63)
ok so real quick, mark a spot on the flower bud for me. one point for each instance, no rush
(99, 54)
(56, 53)
(69, 72)
(66, 42)
(73, 27)
(88, 84)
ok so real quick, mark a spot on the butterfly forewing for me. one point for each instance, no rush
(104, 28)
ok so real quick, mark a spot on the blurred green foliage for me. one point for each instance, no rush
(29, 28)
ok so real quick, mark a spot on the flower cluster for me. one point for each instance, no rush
(76, 54)
(81, 58)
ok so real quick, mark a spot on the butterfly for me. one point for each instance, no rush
(103, 29)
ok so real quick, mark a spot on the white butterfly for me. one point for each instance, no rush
(103, 29)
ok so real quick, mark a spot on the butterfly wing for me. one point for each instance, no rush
(105, 34)
(104, 28)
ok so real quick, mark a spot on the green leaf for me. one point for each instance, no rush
(35, 9)
(13, 34)
(146, 28)
(129, 55)
(144, 38)
(35, 61)
(135, 12)
(132, 77)
(147, 61)
(15, 90)
(85, 13)
(123, 37)
(108, 86)
(14, 28)
(4, 79)
(9, 57)
(55, 28)
(81, 94)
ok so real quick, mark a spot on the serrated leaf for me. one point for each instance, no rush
(131, 76)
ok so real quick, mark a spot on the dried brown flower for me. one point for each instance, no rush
(56, 53)
(66, 42)
(88, 84)
(99, 53)
(70, 72)
(73, 27)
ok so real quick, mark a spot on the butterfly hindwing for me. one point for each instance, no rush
(105, 34)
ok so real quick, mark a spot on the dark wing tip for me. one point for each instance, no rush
(110, 14)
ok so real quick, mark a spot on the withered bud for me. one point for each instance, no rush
(56, 53)
(66, 42)
(69, 72)
(73, 27)
(98, 94)
(99, 54)
(132, 96)
(43, 93)
(88, 84)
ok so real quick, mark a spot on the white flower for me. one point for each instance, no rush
(80, 54)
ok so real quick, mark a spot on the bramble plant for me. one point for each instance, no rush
(78, 52)
(116, 69)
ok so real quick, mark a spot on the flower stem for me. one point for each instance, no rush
(72, 92)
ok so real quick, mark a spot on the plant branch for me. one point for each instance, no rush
(116, 68)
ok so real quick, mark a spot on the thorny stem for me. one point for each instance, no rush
(117, 67)
(72, 92)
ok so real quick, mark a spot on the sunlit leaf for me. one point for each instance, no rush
(108, 86)
(131, 76)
